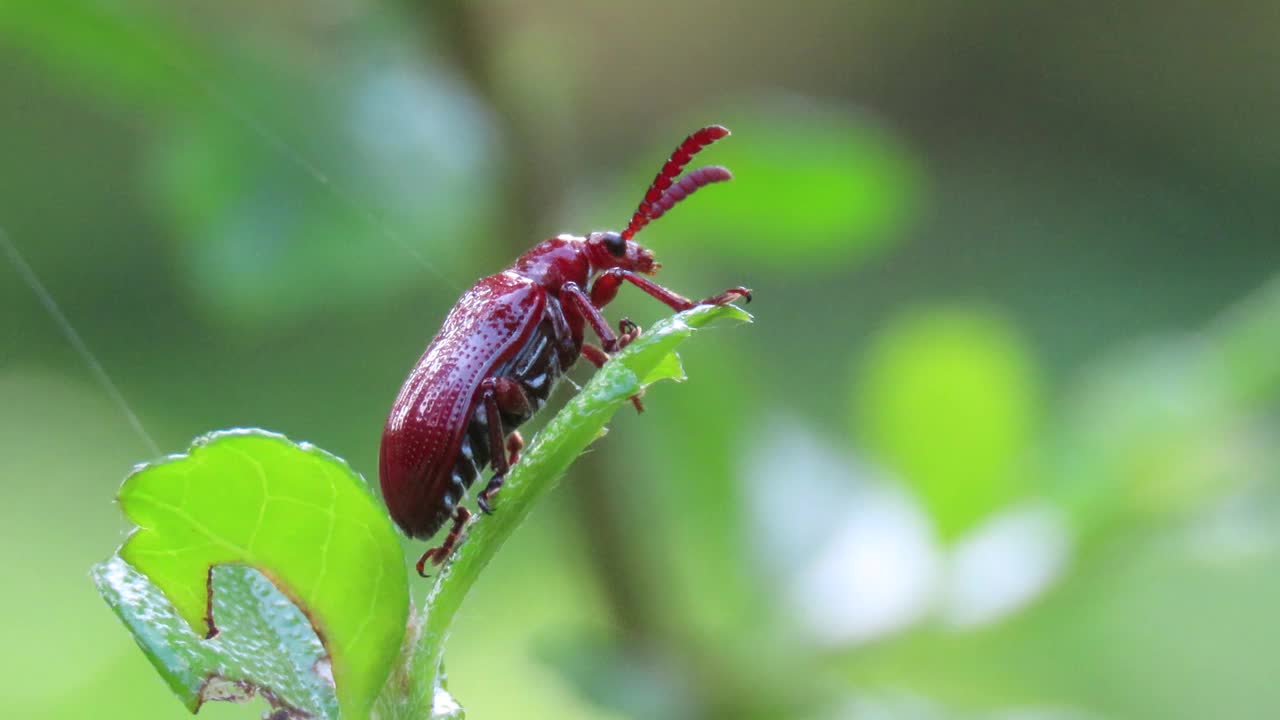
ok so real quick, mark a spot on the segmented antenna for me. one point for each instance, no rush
(662, 182)
(685, 187)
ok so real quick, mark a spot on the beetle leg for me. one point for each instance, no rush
(727, 296)
(565, 337)
(605, 288)
(608, 287)
(594, 355)
(498, 394)
(515, 443)
(579, 302)
(437, 555)
(509, 396)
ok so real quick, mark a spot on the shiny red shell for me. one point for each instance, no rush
(490, 323)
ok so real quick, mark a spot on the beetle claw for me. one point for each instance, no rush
(486, 497)
(422, 562)
(728, 296)
(628, 331)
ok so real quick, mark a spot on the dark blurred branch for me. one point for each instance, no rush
(533, 183)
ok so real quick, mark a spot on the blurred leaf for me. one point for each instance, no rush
(1248, 339)
(551, 452)
(814, 187)
(297, 514)
(1138, 431)
(291, 186)
(107, 53)
(1163, 425)
(704, 577)
(949, 399)
(294, 195)
(252, 615)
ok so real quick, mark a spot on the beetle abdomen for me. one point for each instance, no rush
(433, 414)
(537, 369)
(422, 479)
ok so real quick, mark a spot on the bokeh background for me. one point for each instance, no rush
(1003, 442)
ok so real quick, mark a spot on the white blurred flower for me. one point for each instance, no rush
(1003, 564)
(853, 556)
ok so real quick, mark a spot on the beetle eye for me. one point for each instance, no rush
(614, 243)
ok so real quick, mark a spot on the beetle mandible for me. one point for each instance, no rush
(503, 347)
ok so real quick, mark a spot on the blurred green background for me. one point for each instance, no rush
(1003, 442)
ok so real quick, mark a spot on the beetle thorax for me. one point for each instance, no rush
(552, 263)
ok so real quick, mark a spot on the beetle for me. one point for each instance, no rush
(503, 347)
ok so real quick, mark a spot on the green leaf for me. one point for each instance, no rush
(948, 399)
(252, 614)
(293, 512)
(648, 359)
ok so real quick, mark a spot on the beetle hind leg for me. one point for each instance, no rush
(485, 501)
(437, 555)
(515, 443)
(498, 395)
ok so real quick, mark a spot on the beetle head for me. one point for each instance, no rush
(607, 249)
(617, 250)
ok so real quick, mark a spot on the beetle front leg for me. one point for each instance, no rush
(500, 394)
(582, 304)
(606, 287)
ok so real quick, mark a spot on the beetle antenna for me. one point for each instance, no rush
(686, 186)
(661, 184)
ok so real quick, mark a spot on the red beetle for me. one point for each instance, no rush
(503, 347)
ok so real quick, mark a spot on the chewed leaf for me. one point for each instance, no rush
(264, 644)
(293, 512)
